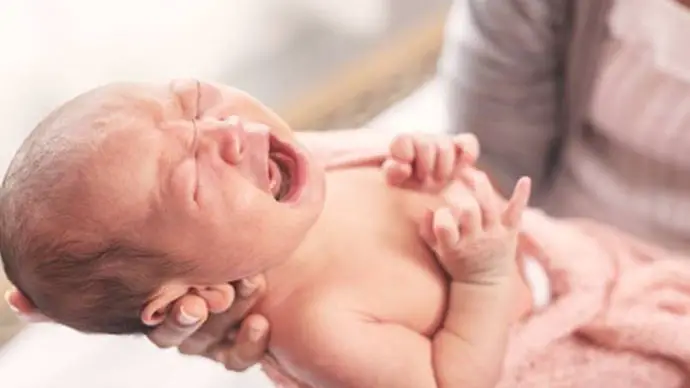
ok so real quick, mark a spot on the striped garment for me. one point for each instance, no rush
(590, 97)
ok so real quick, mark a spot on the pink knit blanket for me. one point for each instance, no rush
(619, 315)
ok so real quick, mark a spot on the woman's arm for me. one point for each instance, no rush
(502, 65)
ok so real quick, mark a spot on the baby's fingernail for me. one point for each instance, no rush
(186, 319)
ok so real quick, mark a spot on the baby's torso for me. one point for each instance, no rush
(375, 263)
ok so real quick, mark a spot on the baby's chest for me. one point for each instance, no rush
(406, 291)
(385, 270)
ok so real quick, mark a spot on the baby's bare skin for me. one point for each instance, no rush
(355, 295)
(361, 306)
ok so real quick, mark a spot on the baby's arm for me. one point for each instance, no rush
(348, 147)
(339, 348)
(476, 241)
(368, 147)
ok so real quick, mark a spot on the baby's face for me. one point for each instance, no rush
(214, 177)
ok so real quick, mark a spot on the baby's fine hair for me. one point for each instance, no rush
(54, 249)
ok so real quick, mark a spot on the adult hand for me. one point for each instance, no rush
(231, 338)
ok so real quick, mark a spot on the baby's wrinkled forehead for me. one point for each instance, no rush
(120, 140)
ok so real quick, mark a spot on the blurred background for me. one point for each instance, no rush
(308, 59)
(322, 64)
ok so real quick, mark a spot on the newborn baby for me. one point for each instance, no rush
(130, 196)
(181, 189)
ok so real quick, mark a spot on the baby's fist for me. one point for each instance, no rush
(475, 238)
(426, 161)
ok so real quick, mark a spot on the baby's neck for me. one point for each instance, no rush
(304, 263)
(313, 254)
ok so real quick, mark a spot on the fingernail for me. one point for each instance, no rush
(255, 333)
(248, 288)
(186, 319)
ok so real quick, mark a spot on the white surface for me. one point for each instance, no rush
(421, 111)
(50, 356)
(53, 50)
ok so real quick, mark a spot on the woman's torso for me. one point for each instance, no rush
(629, 165)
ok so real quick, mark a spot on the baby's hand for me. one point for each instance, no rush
(428, 162)
(475, 239)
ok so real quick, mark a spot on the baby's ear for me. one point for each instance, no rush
(19, 302)
(156, 310)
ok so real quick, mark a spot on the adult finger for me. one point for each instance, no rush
(248, 348)
(185, 318)
(216, 328)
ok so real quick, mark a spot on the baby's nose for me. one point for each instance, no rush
(231, 138)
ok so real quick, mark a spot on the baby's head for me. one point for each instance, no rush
(131, 195)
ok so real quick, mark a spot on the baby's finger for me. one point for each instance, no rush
(445, 160)
(468, 145)
(402, 149)
(465, 207)
(445, 226)
(470, 221)
(486, 197)
(187, 315)
(248, 348)
(426, 228)
(425, 158)
(518, 202)
(396, 173)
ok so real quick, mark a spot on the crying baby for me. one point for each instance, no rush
(132, 195)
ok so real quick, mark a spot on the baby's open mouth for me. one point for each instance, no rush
(281, 165)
